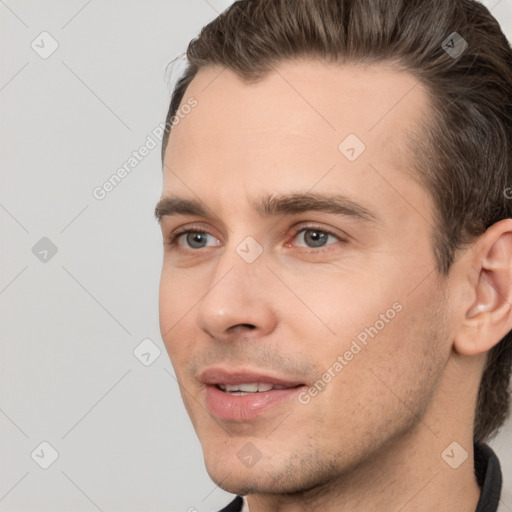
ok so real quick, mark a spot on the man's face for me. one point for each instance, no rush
(301, 263)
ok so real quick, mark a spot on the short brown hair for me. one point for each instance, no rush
(464, 153)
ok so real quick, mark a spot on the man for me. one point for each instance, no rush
(336, 286)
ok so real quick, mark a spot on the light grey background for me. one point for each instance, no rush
(70, 324)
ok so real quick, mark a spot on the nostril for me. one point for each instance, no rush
(242, 327)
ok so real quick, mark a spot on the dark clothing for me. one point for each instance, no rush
(487, 472)
(234, 506)
(488, 476)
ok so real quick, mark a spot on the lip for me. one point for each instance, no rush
(245, 407)
(217, 375)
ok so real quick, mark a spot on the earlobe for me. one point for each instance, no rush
(489, 318)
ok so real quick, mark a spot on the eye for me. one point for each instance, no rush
(313, 238)
(195, 239)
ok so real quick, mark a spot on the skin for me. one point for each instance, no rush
(372, 439)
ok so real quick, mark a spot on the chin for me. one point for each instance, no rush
(234, 480)
(269, 475)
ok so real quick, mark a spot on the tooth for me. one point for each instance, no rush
(231, 388)
(248, 388)
(243, 389)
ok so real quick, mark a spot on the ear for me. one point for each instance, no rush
(489, 317)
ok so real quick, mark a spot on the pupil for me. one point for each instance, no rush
(315, 238)
(196, 240)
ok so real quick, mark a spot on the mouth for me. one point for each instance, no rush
(247, 389)
(244, 395)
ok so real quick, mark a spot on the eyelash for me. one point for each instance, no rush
(173, 239)
(306, 249)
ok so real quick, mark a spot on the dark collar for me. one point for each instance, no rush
(234, 506)
(488, 476)
(487, 472)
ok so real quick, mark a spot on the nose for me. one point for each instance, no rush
(238, 303)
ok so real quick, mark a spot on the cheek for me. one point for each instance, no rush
(376, 326)
(180, 290)
(382, 385)
(339, 306)
(166, 304)
(176, 311)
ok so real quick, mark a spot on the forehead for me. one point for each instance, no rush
(290, 129)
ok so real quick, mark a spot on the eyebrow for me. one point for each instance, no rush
(309, 202)
(170, 206)
(274, 205)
